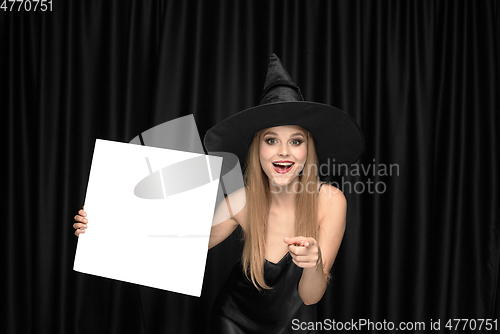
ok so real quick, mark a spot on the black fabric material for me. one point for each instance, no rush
(278, 76)
(421, 78)
(241, 309)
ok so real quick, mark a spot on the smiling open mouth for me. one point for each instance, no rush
(283, 167)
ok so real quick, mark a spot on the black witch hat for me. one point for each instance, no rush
(337, 136)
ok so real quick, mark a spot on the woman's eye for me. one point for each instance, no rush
(271, 141)
(296, 142)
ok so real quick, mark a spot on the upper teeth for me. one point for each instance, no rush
(283, 163)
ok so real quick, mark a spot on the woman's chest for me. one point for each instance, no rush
(278, 228)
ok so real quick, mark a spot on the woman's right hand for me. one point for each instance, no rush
(81, 222)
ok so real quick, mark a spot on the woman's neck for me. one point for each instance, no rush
(284, 197)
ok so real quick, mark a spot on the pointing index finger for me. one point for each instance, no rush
(297, 241)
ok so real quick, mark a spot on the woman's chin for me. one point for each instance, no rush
(282, 180)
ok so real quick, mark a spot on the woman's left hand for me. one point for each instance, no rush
(305, 252)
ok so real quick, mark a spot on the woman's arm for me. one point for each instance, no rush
(220, 232)
(228, 215)
(317, 257)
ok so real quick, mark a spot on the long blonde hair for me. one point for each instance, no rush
(258, 204)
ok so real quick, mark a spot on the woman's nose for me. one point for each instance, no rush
(283, 151)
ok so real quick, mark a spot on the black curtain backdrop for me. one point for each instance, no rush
(420, 77)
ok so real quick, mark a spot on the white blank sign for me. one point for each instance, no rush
(160, 242)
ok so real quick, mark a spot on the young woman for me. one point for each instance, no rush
(293, 224)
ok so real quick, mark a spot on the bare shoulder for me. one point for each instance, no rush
(332, 204)
(331, 194)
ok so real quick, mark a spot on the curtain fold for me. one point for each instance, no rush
(421, 78)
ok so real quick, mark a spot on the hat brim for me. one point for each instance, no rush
(338, 137)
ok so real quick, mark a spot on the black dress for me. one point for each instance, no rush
(241, 309)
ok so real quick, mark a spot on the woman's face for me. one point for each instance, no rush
(283, 152)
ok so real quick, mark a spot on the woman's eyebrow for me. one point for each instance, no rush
(297, 134)
(275, 134)
(270, 133)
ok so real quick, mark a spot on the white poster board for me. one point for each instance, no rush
(150, 212)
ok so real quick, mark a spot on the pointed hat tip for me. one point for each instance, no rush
(279, 86)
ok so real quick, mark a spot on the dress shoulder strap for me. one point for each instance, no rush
(322, 183)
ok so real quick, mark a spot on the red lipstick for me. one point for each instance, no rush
(283, 166)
